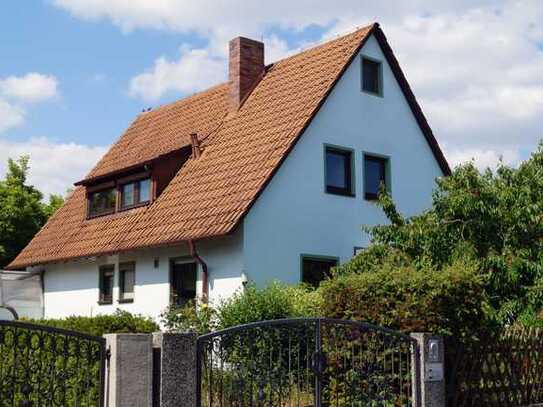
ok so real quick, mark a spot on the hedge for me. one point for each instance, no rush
(119, 322)
(450, 301)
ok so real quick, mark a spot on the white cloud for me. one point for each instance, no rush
(195, 70)
(53, 166)
(10, 116)
(483, 158)
(32, 87)
(476, 66)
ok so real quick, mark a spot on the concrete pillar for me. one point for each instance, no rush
(129, 382)
(432, 374)
(177, 369)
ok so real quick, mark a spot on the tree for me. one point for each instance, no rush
(22, 210)
(492, 218)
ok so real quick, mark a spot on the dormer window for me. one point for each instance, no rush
(102, 201)
(135, 193)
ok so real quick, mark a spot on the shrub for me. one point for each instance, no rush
(196, 316)
(276, 301)
(119, 322)
(450, 301)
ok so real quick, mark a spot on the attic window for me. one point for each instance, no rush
(135, 193)
(102, 202)
(372, 77)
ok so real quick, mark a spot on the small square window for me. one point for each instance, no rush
(371, 76)
(135, 193)
(375, 174)
(316, 269)
(127, 280)
(102, 202)
(106, 284)
(339, 171)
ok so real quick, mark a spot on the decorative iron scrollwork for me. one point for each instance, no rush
(306, 362)
(43, 366)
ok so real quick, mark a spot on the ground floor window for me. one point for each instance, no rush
(106, 284)
(127, 280)
(316, 268)
(183, 276)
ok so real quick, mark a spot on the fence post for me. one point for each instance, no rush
(129, 381)
(431, 374)
(177, 380)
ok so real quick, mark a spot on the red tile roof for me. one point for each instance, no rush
(241, 151)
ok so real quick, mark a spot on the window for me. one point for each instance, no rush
(339, 170)
(375, 174)
(182, 282)
(127, 280)
(102, 202)
(135, 193)
(106, 284)
(372, 76)
(316, 268)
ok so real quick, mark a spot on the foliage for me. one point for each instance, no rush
(196, 316)
(251, 304)
(448, 301)
(493, 218)
(22, 211)
(119, 322)
(274, 301)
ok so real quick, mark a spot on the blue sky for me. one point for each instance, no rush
(74, 73)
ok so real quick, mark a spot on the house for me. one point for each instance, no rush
(269, 176)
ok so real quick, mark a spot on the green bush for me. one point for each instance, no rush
(119, 322)
(196, 316)
(450, 301)
(275, 301)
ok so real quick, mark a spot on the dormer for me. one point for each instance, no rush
(133, 187)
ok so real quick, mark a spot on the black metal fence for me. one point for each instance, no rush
(307, 362)
(43, 366)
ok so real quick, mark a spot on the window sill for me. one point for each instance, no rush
(126, 300)
(105, 302)
(345, 194)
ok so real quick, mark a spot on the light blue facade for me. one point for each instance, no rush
(295, 216)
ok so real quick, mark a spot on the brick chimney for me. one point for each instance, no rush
(245, 66)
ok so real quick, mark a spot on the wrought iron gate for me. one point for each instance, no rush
(307, 362)
(43, 366)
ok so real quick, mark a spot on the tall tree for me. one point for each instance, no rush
(22, 210)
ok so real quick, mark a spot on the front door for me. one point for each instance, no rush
(182, 282)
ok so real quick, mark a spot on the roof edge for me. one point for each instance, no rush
(412, 101)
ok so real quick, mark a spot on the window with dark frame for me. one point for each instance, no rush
(375, 175)
(371, 76)
(183, 278)
(339, 171)
(316, 269)
(106, 284)
(135, 193)
(102, 202)
(127, 280)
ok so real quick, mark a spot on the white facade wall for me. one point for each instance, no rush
(294, 215)
(72, 288)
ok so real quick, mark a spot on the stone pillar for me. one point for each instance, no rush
(129, 382)
(431, 374)
(177, 369)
